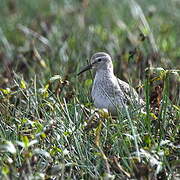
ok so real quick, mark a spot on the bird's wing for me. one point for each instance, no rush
(130, 93)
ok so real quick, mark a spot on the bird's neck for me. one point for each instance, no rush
(104, 73)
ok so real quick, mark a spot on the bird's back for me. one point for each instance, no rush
(130, 94)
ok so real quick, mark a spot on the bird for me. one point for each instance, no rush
(108, 92)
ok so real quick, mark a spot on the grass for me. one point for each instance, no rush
(49, 128)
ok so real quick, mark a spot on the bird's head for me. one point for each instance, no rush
(100, 60)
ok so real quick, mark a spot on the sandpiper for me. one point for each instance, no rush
(109, 92)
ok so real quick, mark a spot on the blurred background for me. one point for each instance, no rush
(48, 37)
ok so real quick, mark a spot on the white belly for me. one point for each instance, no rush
(102, 99)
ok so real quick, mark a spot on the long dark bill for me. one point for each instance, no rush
(85, 69)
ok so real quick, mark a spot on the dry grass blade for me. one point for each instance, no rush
(144, 26)
(29, 32)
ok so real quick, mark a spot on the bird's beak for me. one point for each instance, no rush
(85, 69)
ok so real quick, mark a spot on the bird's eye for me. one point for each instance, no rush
(99, 60)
